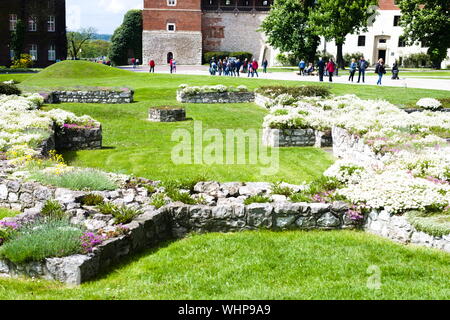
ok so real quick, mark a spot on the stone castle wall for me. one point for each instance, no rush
(216, 97)
(235, 32)
(100, 96)
(186, 47)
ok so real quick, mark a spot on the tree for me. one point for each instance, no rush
(95, 49)
(427, 21)
(335, 19)
(77, 40)
(127, 39)
(18, 39)
(287, 28)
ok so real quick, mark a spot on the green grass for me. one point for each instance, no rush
(262, 265)
(135, 146)
(6, 213)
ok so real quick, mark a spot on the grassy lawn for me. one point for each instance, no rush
(262, 265)
(135, 146)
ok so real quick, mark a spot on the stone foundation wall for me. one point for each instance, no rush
(216, 97)
(296, 138)
(400, 230)
(73, 139)
(262, 101)
(166, 114)
(100, 96)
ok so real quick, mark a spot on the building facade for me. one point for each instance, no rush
(184, 29)
(45, 36)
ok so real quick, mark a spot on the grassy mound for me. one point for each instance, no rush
(77, 70)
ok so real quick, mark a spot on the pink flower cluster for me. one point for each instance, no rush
(90, 240)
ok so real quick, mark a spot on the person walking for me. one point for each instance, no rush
(362, 66)
(353, 66)
(133, 62)
(264, 65)
(255, 67)
(331, 67)
(321, 67)
(238, 67)
(171, 65)
(301, 67)
(395, 71)
(174, 66)
(152, 66)
(380, 69)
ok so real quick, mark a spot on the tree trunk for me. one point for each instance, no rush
(340, 58)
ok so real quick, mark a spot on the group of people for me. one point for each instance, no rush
(235, 67)
(330, 69)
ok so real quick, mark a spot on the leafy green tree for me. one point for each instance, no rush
(18, 39)
(76, 41)
(127, 39)
(427, 21)
(335, 19)
(287, 28)
(96, 48)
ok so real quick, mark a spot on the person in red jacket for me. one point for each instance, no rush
(331, 68)
(152, 66)
(255, 67)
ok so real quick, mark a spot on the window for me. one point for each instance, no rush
(171, 27)
(401, 42)
(12, 22)
(11, 54)
(171, 3)
(382, 41)
(32, 24)
(361, 41)
(34, 52)
(424, 44)
(52, 53)
(51, 24)
(396, 21)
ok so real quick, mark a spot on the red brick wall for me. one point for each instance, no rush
(190, 20)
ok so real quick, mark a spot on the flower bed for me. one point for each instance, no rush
(214, 94)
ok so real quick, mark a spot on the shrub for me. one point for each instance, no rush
(417, 60)
(207, 56)
(106, 208)
(242, 55)
(25, 61)
(4, 213)
(124, 214)
(437, 225)
(158, 200)
(78, 179)
(300, 197)
(92, 200)
(287, 59)
(53, 209)
(43, 239)
(278, 189)
(9, 89)
(295, 92)
(184, 197)
(257, 199)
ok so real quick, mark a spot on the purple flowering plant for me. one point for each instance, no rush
(90, 240)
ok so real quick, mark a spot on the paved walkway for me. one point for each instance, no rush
(371, 79)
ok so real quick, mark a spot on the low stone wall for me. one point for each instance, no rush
(256, 216)
(262, 101)
(95, 96)
(216, 97)
(146, 231)
(166, 114)
(296, 138)
(351, 147)
(399, 229)
(77, 138)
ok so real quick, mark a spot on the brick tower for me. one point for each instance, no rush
(172, 29)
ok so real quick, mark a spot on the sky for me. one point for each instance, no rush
(104, 15)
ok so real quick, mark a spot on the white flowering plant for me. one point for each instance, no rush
(429, 104)
(194, 90)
